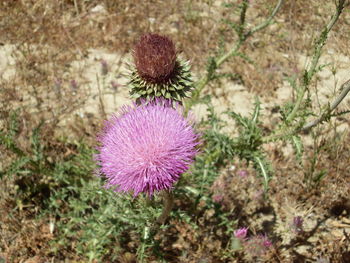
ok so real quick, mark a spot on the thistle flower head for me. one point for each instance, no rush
(146, 147)
(157, 72)
(155, 58)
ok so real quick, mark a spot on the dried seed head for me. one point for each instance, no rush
(155, 58)
(158, 72)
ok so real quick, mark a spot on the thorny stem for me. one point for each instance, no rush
(168, 202)
(243, 36)
(316, 56)
(286, 130)
(268, 21)
(245, 5)
(149, 232)
(345, 89)
(145, 236)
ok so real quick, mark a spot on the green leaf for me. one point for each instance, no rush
(264, 170)
(255, 116)
(319, 176)
(16, 166)
(298, 147)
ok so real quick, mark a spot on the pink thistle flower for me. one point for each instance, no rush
(241, 233)
(146, 147)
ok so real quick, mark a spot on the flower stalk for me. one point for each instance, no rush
(168, 203)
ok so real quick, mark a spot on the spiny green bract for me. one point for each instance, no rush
(177, 87)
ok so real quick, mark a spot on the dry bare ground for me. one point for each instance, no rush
(63, 62)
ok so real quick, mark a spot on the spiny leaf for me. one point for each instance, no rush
(298, 147)
(16, 166)
(256, 113)
(263, 167)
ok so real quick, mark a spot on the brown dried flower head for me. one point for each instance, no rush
(157, 71)
(155, 58)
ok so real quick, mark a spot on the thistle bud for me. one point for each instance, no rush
(157, 72)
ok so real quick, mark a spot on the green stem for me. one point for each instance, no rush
(267, 22)
(233, 51)
(168, 203)
(168, 200)
(344, 90)
(245, 5)
(205, 79)
(263, 171)
(288, 130)
(145, 237)
(316, 56)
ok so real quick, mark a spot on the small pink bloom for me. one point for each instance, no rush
(242, 173)
(267, 243)
(241, 233)
(114, 85)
